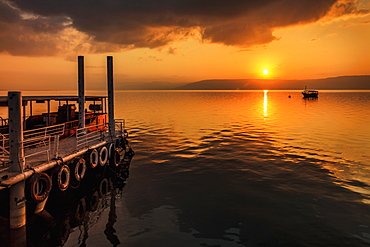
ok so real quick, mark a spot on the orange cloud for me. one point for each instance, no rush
(345, 8)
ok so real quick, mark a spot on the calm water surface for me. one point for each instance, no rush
(241, 169)
(245, 169)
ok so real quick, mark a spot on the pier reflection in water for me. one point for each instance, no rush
(74, 211)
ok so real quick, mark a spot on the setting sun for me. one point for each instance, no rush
(265, 72)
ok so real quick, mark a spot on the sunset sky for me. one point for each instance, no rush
(180, 40)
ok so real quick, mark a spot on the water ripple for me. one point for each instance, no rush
(238, 172)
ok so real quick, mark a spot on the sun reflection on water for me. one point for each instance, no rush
(265, 102)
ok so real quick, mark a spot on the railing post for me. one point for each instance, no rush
(56, 146)
(17, 206)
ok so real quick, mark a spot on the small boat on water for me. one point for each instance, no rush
(310, 93)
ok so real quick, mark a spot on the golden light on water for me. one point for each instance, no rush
(265, 102)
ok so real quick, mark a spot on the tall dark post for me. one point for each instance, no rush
(81, 93)
(17, 202)
(110, 95)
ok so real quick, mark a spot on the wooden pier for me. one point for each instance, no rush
(54, 150)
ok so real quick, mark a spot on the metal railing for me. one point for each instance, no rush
(43, 145)
(46, 140)
(119, 126)
(71, 125)
(35, 142)
(41, 139)
(45, 131)
(94, 134)
(4, 121)
(90, 135)
(4, 149)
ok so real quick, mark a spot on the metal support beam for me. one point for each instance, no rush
(81, 93)
(110, 95)
(17, 205)
(15, 132)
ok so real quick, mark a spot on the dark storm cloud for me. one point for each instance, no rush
(30, 35)
(7, 14)
(147, 23)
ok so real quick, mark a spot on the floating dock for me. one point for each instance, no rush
(55, 150)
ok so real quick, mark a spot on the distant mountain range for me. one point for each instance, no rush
(155, 85)
(341, 83)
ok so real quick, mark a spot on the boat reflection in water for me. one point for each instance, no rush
(79, 209)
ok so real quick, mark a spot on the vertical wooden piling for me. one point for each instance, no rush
(110, 95)
(17, 214)
(81, 93)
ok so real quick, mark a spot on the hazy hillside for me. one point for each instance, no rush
(156, 85)
(342, 82)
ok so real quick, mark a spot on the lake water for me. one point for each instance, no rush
(240, 168)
